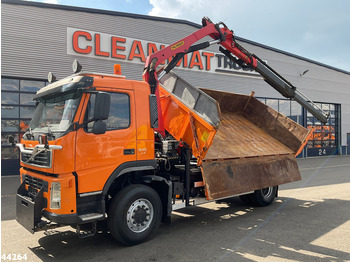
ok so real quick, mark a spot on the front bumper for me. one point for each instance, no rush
(30, 211)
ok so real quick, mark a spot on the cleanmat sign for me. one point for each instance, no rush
(119, 48)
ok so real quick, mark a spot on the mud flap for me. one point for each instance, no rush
(28, 210)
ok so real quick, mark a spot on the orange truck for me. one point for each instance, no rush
(102, 147)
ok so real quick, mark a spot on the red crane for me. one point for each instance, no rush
(234, 51)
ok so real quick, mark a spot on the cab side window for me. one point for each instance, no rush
(119, 113)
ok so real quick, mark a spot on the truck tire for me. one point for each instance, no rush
(134, 215)
(246, 199)
(262, 197)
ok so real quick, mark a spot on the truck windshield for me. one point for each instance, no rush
(53, 116)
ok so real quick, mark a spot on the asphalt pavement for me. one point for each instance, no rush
(309, 221)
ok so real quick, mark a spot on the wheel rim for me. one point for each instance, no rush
(267, 192)
(140, 215)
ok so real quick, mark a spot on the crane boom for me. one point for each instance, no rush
(234, 51)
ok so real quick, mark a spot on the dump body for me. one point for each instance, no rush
(253, 147)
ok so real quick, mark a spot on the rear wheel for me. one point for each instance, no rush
(264, 197)
(246, 199)
(261, 197)
(134, 214)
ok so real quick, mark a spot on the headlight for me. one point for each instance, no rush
(55, 202)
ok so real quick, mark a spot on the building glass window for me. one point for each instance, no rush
(31, 86)
(17, 108)
(5, 137)
(324, 140)
(27, 112)
(9, 125)
(9, 98)
(325, 135)
(284, 107)
(273, 103)
(9, 111)
(9, 153)
(262, 100)
(9, 84)
(296, 112)
(27, 99)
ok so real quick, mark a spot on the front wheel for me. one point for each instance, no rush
(134, 214)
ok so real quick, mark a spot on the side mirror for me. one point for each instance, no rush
(99, 127)
(102, 106)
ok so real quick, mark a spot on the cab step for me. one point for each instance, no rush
(91, 217)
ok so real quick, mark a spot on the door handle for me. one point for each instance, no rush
(129, 151)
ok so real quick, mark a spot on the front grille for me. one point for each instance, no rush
(34, 184)
(42, 159)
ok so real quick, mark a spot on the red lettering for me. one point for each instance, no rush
(76, 48)
(116, 47)
(207, 60)
(137, 51)
(98, 46)
(196, 60)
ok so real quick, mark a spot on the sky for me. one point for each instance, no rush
(315, 29)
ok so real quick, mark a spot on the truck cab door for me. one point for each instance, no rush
(98, 155)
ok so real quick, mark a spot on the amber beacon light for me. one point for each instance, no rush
(117, 69)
